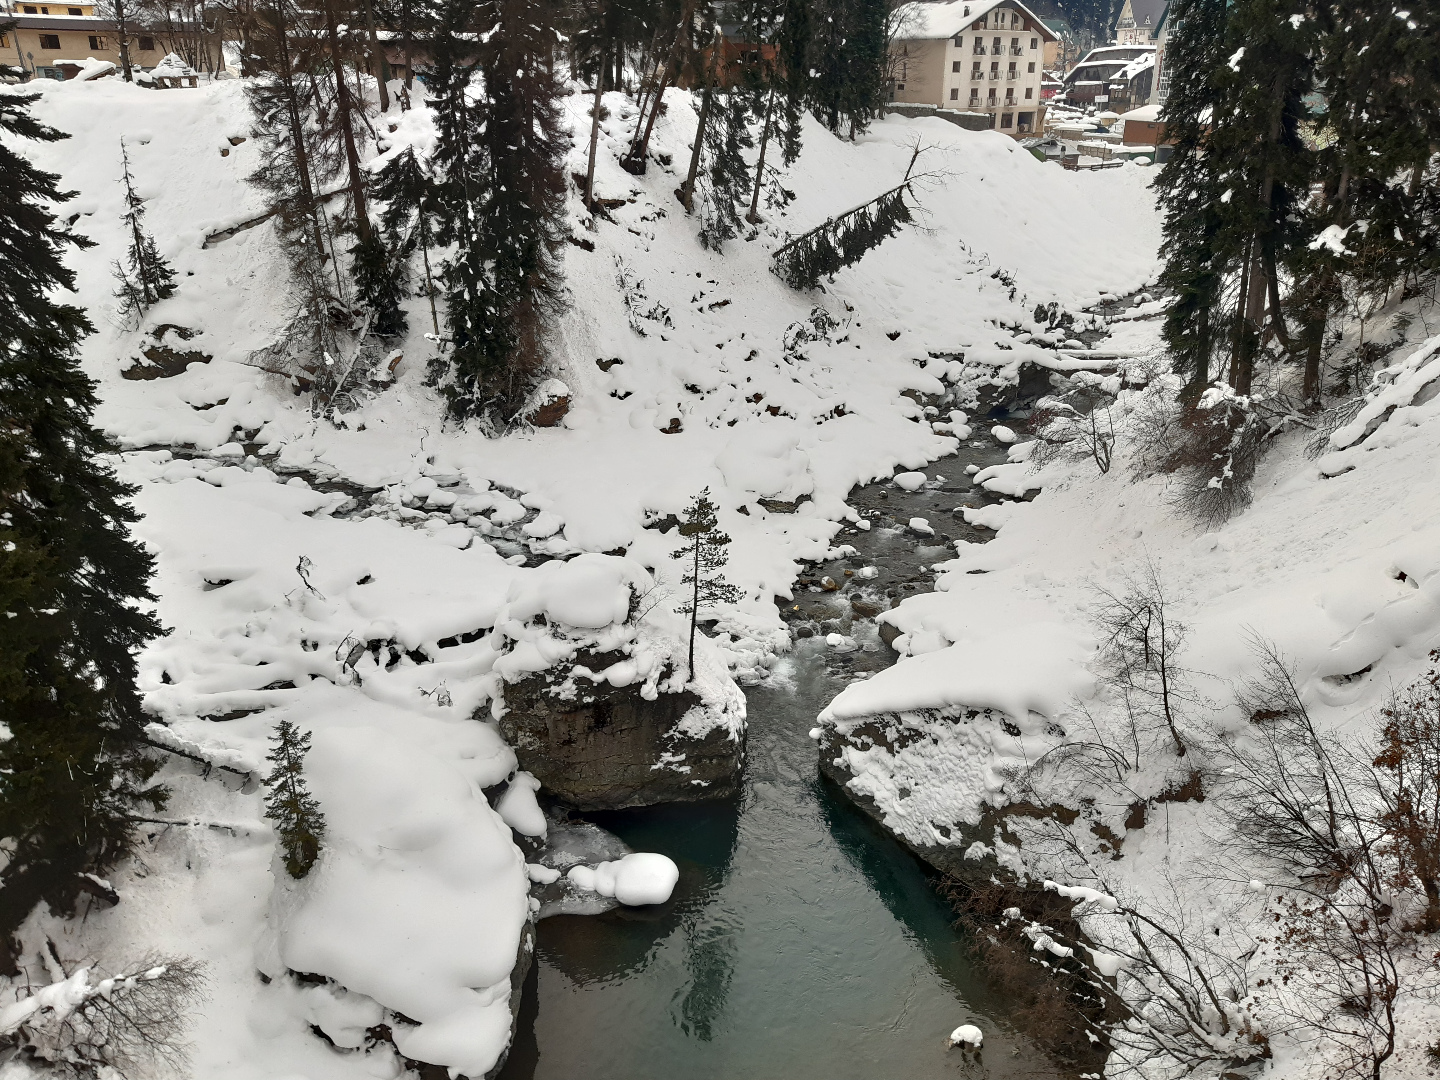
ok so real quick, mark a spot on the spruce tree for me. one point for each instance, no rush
(728, 176)
(1189, 188)
(299, 824)
(705, 558)
(846, 62)
(500, 151)
(73, 582)
(147, 277)
(408, 220)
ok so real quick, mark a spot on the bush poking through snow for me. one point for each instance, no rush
(1215, 456)
(128, 1025)
(1409, 774)
(299, 823)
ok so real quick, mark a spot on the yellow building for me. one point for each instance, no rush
(45, 34)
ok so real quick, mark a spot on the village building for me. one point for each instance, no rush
(47, 40)
(984, 57)
(1115, 77)
(1139, 22)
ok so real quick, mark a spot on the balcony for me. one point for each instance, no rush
(996, 50)
(994, 74)
(979, 50)
(1012, 75)
(976, 75)
(1016, 50)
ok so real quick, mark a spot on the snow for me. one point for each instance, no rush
(967, 1035)
(394, 646)
(518, 808)
(910, 481)
(638, 879)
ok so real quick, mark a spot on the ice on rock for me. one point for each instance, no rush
(542, 875)
(642, 878)
(921, 526)
(910, 481)
(1003, 434)
(518, 808)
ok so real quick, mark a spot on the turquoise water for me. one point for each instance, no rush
(801, 943)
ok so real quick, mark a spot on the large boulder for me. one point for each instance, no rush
(596, 746)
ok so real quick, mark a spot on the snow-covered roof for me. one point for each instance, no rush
(926, 20)
(1146, 114)
(1135, 67)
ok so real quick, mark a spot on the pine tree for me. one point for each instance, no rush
(299, 824)
(1189, 188)
(500, 152)
(706, 558)
(728, 176)
(72, 580)
(147, 277)
(408, 219)
(380, 282)
(846, 62)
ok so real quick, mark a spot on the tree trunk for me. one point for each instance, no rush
(345, 107)
(642, 145)
(594, 146)
(687, 193)
(429, 288)
(1277, 314)
(377, 57)
(753, 217)
(406, 41)
(1238, 336)
(124, 37)
(695, 606)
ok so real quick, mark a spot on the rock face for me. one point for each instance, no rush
(606, 747)
(949, 857)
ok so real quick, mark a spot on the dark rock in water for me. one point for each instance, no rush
(607, 747)
(888, 632)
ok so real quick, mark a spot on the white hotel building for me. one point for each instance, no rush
(977, 56)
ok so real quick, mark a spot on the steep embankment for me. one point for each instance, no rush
(1001, 739)
(376, 580)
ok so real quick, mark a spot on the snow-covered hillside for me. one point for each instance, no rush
(284, 543)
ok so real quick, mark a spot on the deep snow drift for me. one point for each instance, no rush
(368, 580)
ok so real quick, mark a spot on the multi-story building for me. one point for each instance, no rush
(46, 33)
(1139, 22)
(1117, 77)
(978, 56)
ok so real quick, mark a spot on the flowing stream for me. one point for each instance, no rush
(801, 942)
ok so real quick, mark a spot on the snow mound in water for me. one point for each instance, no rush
(910, 481)
(642, 878)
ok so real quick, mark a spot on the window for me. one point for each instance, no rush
(1034, 42)
(900, 86)
(74, 11)
(1006, 119)
(97, 43)
(1027, 121)
(1031, 69)
(1029, 91)
(147, 44)
(31, 9)
(974, 95)
(954, 65)
(995, 46)
(954, 93)
(50, 41)
(4, 41)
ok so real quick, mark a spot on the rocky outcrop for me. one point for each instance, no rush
(957, 836)
(603, 747)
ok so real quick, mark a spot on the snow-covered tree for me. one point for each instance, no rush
(704, 556)
(299, 824)
(74, 585)
(146, 277)
(408, 219)
(499, 154)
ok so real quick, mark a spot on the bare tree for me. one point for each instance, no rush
(131, 1024)
(1140, 642)
(1408, 770)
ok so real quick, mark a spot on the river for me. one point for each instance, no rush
(801, 942)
